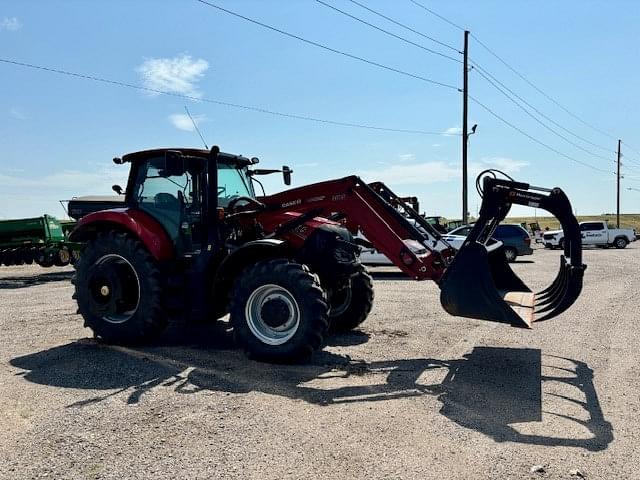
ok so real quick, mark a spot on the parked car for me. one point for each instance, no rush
(370, 256)
(516, 240)
(594, 233)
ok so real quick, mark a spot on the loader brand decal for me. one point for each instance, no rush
(316, 199)
(339, 197)
(526, 196)
(291, 203)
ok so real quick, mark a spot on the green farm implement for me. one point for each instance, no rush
(41, 240)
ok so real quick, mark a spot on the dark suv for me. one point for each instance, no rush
(516, 239)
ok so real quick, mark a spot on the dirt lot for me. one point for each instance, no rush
(415, 394)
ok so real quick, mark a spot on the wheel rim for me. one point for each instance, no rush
(114, 289)
(272, 314)
(340, 301)
(620, 243)
(63, 256)
(510, 254)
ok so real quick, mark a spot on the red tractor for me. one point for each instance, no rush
(193, 241)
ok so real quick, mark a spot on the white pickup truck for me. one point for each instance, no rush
(593, 233)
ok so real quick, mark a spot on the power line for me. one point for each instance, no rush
(437, 15)
(213, 101)
(330, 49)
(391, 34)
(406, 27)
(483, 70)
(558, 152)
(485, 74)
(539, 90)
(629, 146)
(529, 82)
(537, 119)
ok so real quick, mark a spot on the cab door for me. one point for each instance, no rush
(593, 233)
(174, 198)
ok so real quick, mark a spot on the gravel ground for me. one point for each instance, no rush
(414, 394)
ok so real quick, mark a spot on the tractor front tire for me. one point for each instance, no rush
(278, 311)
(118, 290)
(351, 305)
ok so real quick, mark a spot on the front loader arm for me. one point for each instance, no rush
(474, 283)
(409, 248)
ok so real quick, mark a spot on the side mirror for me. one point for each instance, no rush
(286, 174)
(117, 189)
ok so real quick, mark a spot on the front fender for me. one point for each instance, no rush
(241, 258)
(250, 253)
(141, 225)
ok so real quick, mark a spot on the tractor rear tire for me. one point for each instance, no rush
(278, 311)
(118, 290)
(351, 306)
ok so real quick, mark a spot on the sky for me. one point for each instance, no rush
(58, 133)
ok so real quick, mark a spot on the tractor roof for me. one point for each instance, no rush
(196, 152)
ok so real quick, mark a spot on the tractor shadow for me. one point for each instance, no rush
(489, 390)
(33, 280)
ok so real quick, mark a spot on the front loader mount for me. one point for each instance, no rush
(478, 284)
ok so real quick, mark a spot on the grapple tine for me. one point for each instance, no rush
(558, 286)
(571, 293)
(551, 302)
(560, 270)
(554, 285)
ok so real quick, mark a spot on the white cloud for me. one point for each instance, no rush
(11, 24)
(406, 157)
(437, 171)
(24, 195)
(507, 165)
(176, 75)
(452, 131)
(75, 181)
(420, 173)
(182, 121)
(16, 112)
(436, 145)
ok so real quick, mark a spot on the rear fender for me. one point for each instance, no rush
(141, 225)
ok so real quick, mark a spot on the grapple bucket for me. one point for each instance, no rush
(481, 284)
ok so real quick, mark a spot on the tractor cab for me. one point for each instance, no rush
(186, 190)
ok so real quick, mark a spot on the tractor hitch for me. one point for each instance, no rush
(481, 284)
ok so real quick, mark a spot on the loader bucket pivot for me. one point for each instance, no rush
(481, 284)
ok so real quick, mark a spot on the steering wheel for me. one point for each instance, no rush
(250, 201)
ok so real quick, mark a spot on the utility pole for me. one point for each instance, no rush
(618, 190)
(465, 136)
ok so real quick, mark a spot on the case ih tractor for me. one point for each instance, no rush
(192, 241)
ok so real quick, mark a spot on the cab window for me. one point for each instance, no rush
(233, 182)
(173, 199)
(591, 226)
